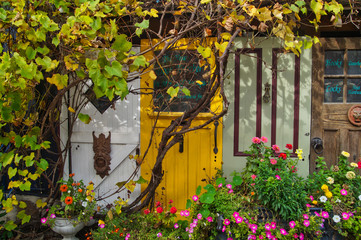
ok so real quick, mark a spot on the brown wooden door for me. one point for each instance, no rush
(336, 87)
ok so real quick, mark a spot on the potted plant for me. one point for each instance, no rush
(77, 208)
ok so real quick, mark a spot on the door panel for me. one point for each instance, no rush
(186, 167)
(335, 89)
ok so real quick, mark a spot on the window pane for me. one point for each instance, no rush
(354, 62)
(334, 62)
(354, 90)
(333, 90)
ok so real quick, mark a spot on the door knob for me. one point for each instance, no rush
(317, 145)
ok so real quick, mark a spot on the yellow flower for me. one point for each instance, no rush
(324, 187)
(346, 154)
(328, 194)
(314, 202)
(299, 153)
(101, 222)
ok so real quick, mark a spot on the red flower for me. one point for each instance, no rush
(146, 211)
(170, 201)
(159, 209)
(359, 164)
(157, 204)
(289, 146)
(283, 156)
(68, 200)
(63, 188)
(173, 210)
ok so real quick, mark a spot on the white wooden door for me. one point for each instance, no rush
(283, 115)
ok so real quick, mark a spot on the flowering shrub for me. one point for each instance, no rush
(272, 176)
(337, 189)
(159, 223)
(77, 201)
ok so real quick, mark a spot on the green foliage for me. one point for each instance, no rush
(159, 224)
(273, 178)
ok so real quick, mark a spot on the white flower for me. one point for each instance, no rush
(336, 218)
(330, 180)
(359, 197)
(323, 199)
(350, 175)
(353, 164)
(84, 204)
(338, 200)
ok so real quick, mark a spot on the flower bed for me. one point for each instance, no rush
(268, 200)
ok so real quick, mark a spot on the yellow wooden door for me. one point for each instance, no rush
(198, 157)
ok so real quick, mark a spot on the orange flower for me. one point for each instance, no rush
(68, 200)
(71, 175)
(78, 184)
(73, 184)
(80, 190)
(252, 193)
(63, 188)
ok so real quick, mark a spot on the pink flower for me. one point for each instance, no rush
(253, 227)
(176, 225)
(230, 191)
(256, 140)
(273, 161)
(159, 234)
(345, 216)
(239, 219)
(302, 236)
(195, 198)
(273, 225)
(199, 216)
(295, 235)
(253, 176)
(264, 139)
(278, 177)
(220, 185)
(268, 234)
(53, 216)
(283, 231)
(229, 186)
(343, 192)
(235, 214)
(43, 220)
(276, 148)
(226, 222)
(289, 146)
(311, 197)
(306, 223)
(308, 205)
(324, 214)
(305, 216)
(260, 237)
(223, 228)
(209, 219)
(292, 224)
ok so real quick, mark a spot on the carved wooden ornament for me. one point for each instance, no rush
(101, 148)
(354, 115)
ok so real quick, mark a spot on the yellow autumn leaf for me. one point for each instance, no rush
(199, 82)
(40, 203)
(152, 75)
(264, 15)
(130, 185)
(71, 109)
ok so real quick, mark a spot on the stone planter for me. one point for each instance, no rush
(65, 227)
